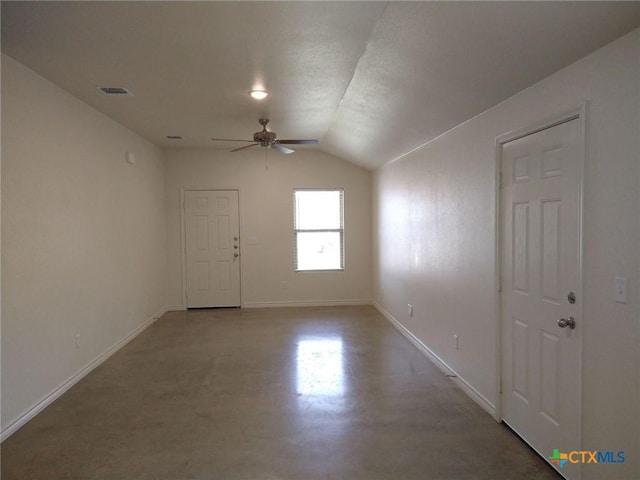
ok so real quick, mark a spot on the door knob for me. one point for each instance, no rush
(567, 322)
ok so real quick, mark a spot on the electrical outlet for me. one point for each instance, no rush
(285, 284)
(410, 309)
(620, 284)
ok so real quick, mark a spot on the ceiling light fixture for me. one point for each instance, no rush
(259, 94)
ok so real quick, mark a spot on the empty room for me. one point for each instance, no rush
(320, 240)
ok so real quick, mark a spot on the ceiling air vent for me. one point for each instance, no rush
(116, 91)
(175, 137)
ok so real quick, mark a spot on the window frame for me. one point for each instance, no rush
(322, 230)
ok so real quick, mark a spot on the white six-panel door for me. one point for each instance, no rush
(212, 248)
(540, 275)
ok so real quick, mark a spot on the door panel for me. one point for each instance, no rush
(550, 252)
(521, 248)
(548, 386)
(540, 255)
(212, 248)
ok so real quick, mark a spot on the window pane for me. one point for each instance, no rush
(318, 210)
(319, 251)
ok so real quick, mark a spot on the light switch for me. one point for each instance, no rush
(620, 285)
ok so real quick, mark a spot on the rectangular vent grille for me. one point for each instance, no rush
(115, 91)
(175, 137)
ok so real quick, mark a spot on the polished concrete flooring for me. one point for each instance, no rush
(316, 393)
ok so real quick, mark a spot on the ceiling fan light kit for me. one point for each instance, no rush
(265, 138)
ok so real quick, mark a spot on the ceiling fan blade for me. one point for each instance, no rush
(231, 140)
(242, 148)
(281, 149)
(299, 142)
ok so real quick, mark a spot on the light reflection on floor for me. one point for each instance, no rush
(320, 367)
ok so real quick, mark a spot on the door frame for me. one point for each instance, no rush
(579, 113)
(183, 235)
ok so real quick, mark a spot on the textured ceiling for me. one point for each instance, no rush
(370, 80)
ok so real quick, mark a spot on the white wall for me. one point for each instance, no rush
(434, 246)
(266, 213)
(83, 239)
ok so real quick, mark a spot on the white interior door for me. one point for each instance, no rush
(540, 249)
(212, 248)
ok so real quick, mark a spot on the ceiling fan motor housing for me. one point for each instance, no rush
(264, 138)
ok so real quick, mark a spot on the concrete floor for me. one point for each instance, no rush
(316, 393)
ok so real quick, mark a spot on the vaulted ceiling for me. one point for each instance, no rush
(370, 80)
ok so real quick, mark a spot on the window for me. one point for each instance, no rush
(319, 229)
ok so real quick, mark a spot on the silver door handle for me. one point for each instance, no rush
(567, 322)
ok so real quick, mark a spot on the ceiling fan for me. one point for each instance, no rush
(266, 138)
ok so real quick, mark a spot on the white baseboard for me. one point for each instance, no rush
(321, 303)
(441, 364)
(176, 308)
(279, 304)
(71, 381)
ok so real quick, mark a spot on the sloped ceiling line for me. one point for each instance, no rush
(365, 49)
